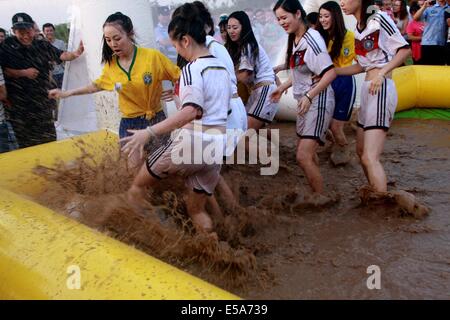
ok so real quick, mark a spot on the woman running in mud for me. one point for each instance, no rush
(136, 73)
(380, 48)
(341, 47)
(201, 99)
(253, 68)
(312, 72)
(237, 117)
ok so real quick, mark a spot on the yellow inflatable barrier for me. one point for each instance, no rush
(422, 87)
(44, 255)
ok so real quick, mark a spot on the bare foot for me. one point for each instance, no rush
(409, 204)
(339, 155)
(314, 200)
(202, 222)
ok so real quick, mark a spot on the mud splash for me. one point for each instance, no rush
(276, 247)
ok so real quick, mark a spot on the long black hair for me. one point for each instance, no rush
(291, 6)
(367, 10)
(247, 38)
(186, 20)
(337, 29)
(403, 10)
(127, 25)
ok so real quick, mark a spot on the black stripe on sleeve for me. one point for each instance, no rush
(326, 69)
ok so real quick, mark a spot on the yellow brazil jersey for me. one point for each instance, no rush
(139, 89)
(347, 54)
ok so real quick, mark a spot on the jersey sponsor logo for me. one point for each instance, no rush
(148, 79)
(367, 44)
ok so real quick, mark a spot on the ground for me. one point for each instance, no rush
(270, 249)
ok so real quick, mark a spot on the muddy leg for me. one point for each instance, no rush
(370, 159)
(195, 203)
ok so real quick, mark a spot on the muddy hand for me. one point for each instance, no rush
(135, 143)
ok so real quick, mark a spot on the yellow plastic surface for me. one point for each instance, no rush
(422, 87)
(42, 251)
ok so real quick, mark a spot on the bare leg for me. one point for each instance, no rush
(360, 147)
(225, 193)
(195, 203)
(306, 153)
(339, 154)
(143, 180)
(370, 159)
(337, 128)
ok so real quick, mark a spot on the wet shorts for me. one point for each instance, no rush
(197, 156)
(259, 105)
(377, 111)
(314, 124)
(344, 94)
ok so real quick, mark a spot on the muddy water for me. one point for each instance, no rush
(269, 249)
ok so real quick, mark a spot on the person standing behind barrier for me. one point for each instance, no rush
(341, 47)
(401, 18)
(26, 64)
(136, 73)
(58, 71)
(312, 72)
(162, 36)
(7, 138)
(415, 31)
(2, 35)
(253, 68)
(380, 48)
(434, 33)
(202, 121)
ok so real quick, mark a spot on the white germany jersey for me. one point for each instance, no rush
(262, 68)
(206, 84)
(309, 61)
(221, 53)
(378, 43)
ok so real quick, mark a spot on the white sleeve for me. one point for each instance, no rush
(317, 58)
(390, 37)
(191, 87)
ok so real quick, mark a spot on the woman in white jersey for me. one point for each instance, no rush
(379, 48)
(196, 151)
(237, 116)
(253, 68)
(312, 72)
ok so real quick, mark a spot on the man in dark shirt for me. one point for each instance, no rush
(27, 64)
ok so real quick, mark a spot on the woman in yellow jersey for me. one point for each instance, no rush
(341, 47)
(135, 73)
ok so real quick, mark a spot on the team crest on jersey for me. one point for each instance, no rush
(297, 59)
(367, 44)
(148, 79)
(346, 52)
(118, 86)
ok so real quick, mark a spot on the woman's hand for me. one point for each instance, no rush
(376, 84)
(136, 142)
(57, 94)
(303, 105)
(276, 94)
(167, 95)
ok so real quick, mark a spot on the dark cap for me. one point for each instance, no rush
(22, 21)
(164, 10)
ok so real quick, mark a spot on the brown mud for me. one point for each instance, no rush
(276, 247)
